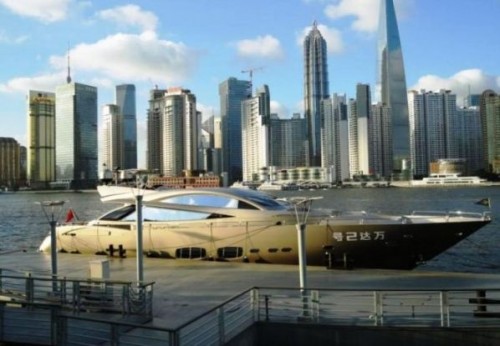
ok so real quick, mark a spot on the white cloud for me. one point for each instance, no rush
(46, 11)
(460, 83)
(279, 109)
(116, 58)
(261, 47)
(128, 57)
(4, 38)
(46, 82)
(332, 36)
(365, 13)
(130, 15)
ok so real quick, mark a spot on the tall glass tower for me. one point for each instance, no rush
(125, 100)
(315, 90)
(232, 93)
(76, 135)
(391, 84)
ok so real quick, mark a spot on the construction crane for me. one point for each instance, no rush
(250, 72)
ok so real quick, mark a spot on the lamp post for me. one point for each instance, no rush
(52, 211)
(140, 268)
(302, 207)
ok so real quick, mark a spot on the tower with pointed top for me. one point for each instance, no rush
(391, 85)
(315, 90)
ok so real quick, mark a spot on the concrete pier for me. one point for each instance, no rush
(185, 289)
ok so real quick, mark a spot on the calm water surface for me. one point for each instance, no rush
(23, 224)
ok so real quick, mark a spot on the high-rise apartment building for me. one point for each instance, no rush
(335, 137)
(315, 89)
(435, 128)
(232, 92)
(255, 135)
(381, 143)
(41, 141)
(391, 84)
(173, 132)
(111, 138)
(490, 124)
(469, 142)
(10, 166)
(359, 131)
(288, 141)
(76, 135)
(125, 100)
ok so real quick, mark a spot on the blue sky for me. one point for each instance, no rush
(196, 44)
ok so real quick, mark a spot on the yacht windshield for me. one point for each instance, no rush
(204, 200)
(118, 214)
(158, 214)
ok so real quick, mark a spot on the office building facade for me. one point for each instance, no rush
(41, 141)
(76, 135)
(232, 93)
(125, 100)
(315, 89)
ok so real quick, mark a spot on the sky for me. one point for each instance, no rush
(197, 44)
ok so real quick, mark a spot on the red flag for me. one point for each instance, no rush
(70, 216)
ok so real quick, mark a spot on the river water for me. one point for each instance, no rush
(23, 224)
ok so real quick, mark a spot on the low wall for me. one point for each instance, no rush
(265, 333)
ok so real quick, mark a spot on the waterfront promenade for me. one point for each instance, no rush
(185, 289)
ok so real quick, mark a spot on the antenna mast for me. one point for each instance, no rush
(68, 77)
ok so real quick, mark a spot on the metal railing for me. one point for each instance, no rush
(378, 308)
(80, 295)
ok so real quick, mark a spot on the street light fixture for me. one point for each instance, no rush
(302, 207)
(52, 211)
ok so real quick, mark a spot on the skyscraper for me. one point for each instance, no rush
(255, 121)
(232, 92)
(76, 135)
(315, 89)
(288, 141)
(111, 138)
(10, 165)
(490, 124)
(435, 128)
(41, 140)
(173, 132)
(125, 100)
(391, 84)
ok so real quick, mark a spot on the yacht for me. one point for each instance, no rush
(228, 224)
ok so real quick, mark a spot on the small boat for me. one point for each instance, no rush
(228, 224)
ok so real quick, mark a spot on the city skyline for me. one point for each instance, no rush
(104, 41)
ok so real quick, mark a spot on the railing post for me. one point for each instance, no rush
(315, 304)
(222, 329)
(378, 312)
(29, 288)
(255, 304)
(2, 307)
(76, 296)
(266, 297)
(173, 338)
(445, 315)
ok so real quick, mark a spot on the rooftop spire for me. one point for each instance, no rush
(68, 77)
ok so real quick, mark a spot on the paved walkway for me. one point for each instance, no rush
(185, 289)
